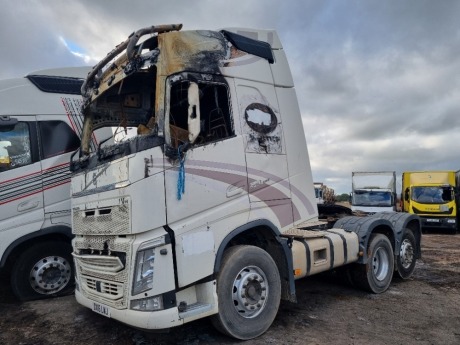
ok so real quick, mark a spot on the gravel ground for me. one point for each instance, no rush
(422, 310)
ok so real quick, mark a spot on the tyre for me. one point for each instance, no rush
(249, 292)
(405, 261)
(43, 270)
(375, 276)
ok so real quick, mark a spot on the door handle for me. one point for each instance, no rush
(28, 205)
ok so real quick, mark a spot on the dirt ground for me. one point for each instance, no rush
(422, 310)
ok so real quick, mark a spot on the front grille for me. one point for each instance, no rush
(101, 263)
(108, 263)
(417, 211)
(107, 290)
(113, 220)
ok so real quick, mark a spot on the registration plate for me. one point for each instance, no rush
(101, 309)
(431, 220)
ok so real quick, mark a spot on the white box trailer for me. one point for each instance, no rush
(210, 210)
(40, 126)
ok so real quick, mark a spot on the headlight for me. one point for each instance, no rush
(143, 274)
(144, 267)
(451, 221)
(444, 208)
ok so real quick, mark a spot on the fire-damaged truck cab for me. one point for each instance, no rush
(209, 209)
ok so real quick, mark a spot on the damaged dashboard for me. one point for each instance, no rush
(112, 152)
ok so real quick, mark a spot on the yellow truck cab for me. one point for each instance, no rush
(432, 196)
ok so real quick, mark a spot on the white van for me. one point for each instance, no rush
(40, 127)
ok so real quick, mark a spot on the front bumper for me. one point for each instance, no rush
(439, 222)
(162, 319)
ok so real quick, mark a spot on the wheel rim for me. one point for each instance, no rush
(406, 253)
(50, 275)
(380, 264)
(250, 291)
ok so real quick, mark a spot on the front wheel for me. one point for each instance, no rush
(43, 270)
(405, 261)
(375, 276)
(249, 292)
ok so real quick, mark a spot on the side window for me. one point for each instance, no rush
(57, 138)
(15, 150)
(215, 117)
(216, 123)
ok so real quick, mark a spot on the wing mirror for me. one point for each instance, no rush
(7, 123)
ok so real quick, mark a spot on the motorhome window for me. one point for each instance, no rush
(57, 138)
(15, 150)
(216, 122)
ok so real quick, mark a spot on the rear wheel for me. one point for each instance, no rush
(375, 276)
(249, 292)
(43, 270)
(406, 259)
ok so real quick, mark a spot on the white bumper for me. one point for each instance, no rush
(161, 319)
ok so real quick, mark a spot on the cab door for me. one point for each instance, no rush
(57, 142)
(21, 189)
(265, 152)
(205, 173)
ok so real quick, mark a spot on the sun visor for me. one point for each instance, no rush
(251, 46)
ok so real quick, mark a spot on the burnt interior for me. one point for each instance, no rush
(127, 104)
(215, 116)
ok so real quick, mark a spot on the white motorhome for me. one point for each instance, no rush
(40, 126)
(210, 210)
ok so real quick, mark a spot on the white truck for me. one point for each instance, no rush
(373, 192)
(209, 210)
(40, 126)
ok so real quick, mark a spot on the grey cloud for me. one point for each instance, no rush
(29, 42)
(377, 80)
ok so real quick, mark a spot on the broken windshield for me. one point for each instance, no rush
(120, 90)
(432, 194)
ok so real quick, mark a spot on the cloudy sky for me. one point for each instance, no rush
(378, 81)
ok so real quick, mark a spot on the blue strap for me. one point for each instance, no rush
(181, 178)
